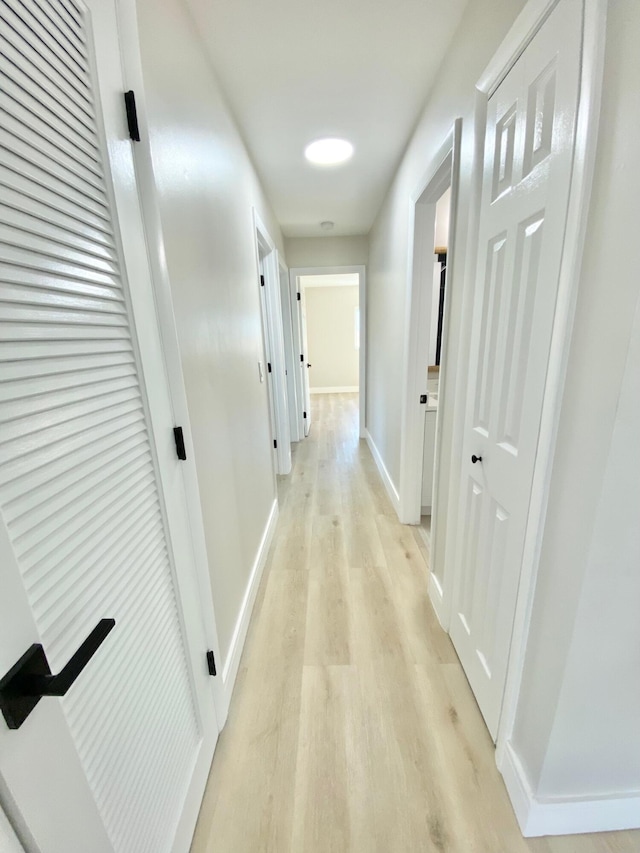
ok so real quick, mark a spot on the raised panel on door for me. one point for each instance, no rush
(526, 175)
(83, 517)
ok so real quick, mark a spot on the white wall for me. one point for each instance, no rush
(326, 251)
(207, 186)
(578, 730)
(330, 313)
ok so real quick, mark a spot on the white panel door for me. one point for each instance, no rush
(92, 518)
(526, 175)
(268, 366)
(304, 362)
(289, 355)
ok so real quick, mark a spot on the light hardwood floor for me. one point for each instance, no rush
(352, 727)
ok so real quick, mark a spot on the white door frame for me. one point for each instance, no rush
(523, 30)
(442, 173)
(290, 361)
(148, 195)
(360, 270)
(274, 339)
(8, 839)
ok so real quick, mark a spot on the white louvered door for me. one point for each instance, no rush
(93, 520)
(529, 144)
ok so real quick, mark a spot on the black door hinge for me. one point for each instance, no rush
(132, 115)
(298, 296)
(301, 356)
(423, 398)
(269, 366)
(275, 444)
(179, 439)
(261, 281)
(211, 663)
(304, 414)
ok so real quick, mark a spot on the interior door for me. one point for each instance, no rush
(89, 480)
(289, 354)
(304, 362)
(529, 144)
(268, 350)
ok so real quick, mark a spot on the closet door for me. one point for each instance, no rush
(93, 524)
(529, 144)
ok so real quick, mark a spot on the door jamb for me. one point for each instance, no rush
(442, 173)
(361, 270)
(591, 74)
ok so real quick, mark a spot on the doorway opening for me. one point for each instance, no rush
(437, 285)
(329, 317)
(423, 497)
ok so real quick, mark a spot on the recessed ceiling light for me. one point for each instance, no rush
(328, 152)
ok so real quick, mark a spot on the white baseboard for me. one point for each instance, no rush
(230, 668)
(384, 474)
(436, 597)
(567, 816)
(335, 389)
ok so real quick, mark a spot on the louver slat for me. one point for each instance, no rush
(78, 484)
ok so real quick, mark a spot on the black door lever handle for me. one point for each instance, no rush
(475, 459)
(31, 678)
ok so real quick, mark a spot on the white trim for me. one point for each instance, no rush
(335, 389)
(8, 839)
(361, 270)
(236, 647)
(591, 75)
(569, 815)
(522, 31)
(333, 280)
(394, 497)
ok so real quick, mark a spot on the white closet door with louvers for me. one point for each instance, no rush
(93, 521)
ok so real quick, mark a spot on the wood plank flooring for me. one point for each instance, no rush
(352, 727)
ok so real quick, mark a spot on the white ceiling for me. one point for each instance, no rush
(296, 70)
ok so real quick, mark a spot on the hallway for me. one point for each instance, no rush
(352, 726)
